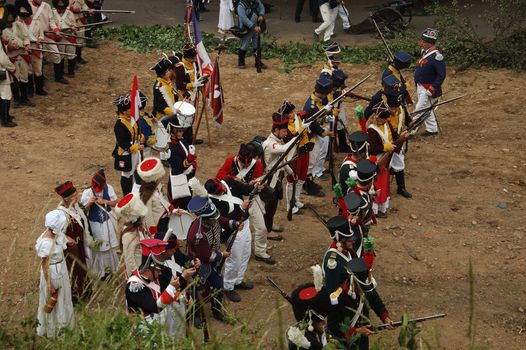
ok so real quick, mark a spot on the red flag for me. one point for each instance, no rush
(215, 96)
(135, 101)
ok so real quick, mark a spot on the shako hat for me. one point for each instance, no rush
(23, 9)
(358, 141)
(338, 78)
(214, 187)
(245, 154)
(339, 229)
(151, 169)
(366, 170)
(307, 302)
(65, 189)
(202, 207)
(402, 60)
(60, 4)
(280, 121)
(323, 84)
(430, 35)
(354, 203)
(130, 208)
(391, 85)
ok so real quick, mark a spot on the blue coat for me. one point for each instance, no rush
(431, 71)
(248, 16)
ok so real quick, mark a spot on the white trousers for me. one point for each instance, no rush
(398, 161)
(318, 155)
(329, 18)
(423, 102)
(342, 118)
(236, 264)
(257, 219)
(52, 57)
(342, 12)
(135, 160)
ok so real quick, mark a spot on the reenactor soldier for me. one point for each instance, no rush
(36, 35)
(17, 42)
(43, 14)
(401, 60)
(311, 305)
(350, 286)
(80, 9)
(359, 150)
(430, 74)
(66, 22)
(5, 85)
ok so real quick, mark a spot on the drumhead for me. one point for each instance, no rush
(185, 108)
(162, 139)
(180, 224)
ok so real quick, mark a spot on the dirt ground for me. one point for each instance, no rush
(424, 246)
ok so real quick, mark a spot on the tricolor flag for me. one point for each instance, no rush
(215, 97)
(205, 65)
(135, 101)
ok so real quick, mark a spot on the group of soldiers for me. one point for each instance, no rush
(34, 32)
(214, 219)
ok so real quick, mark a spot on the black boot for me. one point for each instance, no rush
(30, 86)
(241, 58)
(39, 86)
(24, 100)
(5, 119)
(263, 65)
(217, 306)
(400, 183)
(71, 67)
(78, 52)
(16, 95)
(312, 188)
(59, 73)
(8, 109)
(343, 146)
(126, 185)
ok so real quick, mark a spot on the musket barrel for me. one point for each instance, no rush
(110, 11)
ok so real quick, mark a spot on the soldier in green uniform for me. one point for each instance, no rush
(351, 288)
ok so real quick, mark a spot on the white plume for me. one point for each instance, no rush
(317, 274)
(197, 188)
(296, 336)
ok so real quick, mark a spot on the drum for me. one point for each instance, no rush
(180, 224)
(186, 113)
(162, 138)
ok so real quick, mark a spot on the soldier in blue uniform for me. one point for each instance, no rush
(430, 74)
(401, 60)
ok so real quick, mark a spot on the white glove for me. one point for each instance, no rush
(307, 124)
(199, 83)
(429, 93)
(328, 107)
(191, 150)
(330, 119)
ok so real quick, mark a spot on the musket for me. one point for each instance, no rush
(391, 57)
(258, 53)
(292, 200)
(424, 113)
(359, 97)
(55, 52)
(414, 320)
(59, 43)
(281, 291)
(66, 34)
(318, 216)
(332, 127)
(89, 25)
(109, 11)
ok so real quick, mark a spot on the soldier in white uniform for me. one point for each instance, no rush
(65, 20)
(7, 70)
(16, 39)
(43, 14)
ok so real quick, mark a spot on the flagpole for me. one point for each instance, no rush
(206, 119)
